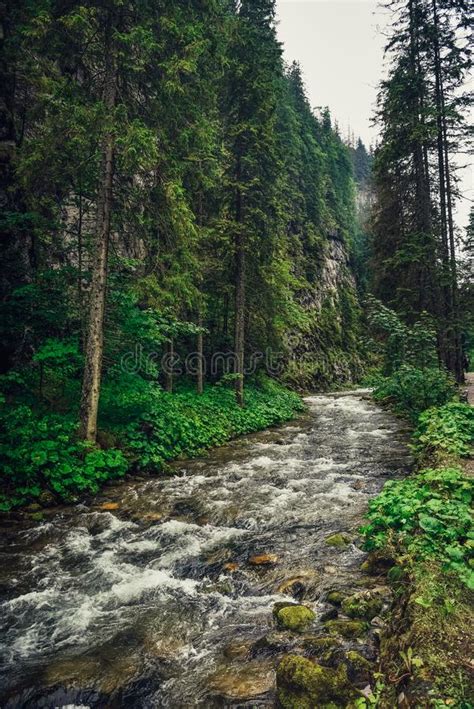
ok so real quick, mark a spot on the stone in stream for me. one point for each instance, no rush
(273, 643)
(302, 585)
(231, 566)
(337, 540)
(346, 628)
(109, 506)
(324, 647)
(359, 669)
(295, 617)
(263, 560)
(245, 682)
(335, 598)
(364, 605)
(303, 684)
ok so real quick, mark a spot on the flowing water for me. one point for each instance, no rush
(158, 602)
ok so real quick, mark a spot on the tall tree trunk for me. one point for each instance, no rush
(448, 344)
(169, 369)
(239, 336)
(200, 354)
(457, 344)
(95, 331)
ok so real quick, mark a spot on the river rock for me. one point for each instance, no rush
(337, 540)
(346, 628)
(323, 647)
(303, 684)
(238, 649)
(242, 682)
(335, 597)
(272, 644)
(47, 499)
(109, 506)
(296, 618)
(358, 668)
(365, 604)
(231, 566)
(106, 676)
(263, 560)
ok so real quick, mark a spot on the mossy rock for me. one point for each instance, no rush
(37, 516)
(335, 598)
(296, 618)
(359, 668)
(33, 507)
(348, 629)
(303, 684)
(364, 605)
(324, 647)
(337, 540)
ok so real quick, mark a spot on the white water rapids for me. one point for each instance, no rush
(146, 605)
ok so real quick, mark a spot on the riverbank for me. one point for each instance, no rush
(187, 589)
(43, 463)
(421, 529)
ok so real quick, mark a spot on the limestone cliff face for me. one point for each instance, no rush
(325, 351)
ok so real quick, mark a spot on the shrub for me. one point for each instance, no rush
(449, 428)
(40, 452)
(427, 515)
(411, 390)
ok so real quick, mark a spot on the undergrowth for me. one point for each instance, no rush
(141, 430)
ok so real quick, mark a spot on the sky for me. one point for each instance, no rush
(339, 44)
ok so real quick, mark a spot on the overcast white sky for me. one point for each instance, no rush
(339, 44)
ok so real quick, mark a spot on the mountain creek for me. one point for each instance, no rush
(167, 591)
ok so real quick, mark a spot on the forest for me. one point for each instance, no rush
(190, 249)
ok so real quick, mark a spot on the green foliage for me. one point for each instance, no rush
(187, 424)
(398, 343)
(410, 390)
(449, 429)
(40, 453)
(427, 515)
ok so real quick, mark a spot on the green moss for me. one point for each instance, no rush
(296, 618)
(359, 669)
(323, 647)
(337, 540)
(335, 597)
(303, 684)
(346, 628)
(364, 605)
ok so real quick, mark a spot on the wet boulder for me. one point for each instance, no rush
(242, 682)
(359, 669)
(263, 560)
(273, 643)
(295, 617)
(304, 684)
(348, 629)
(364, 605)
(335, 598)
(323, 647)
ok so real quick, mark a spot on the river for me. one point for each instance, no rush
(159, 593)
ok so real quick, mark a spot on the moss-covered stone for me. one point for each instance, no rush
(364, 605)
(337, 540)
(346, 628)
(296, 618)
(335, 597)
(324, 647)
(359, 669)
(303, 684)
